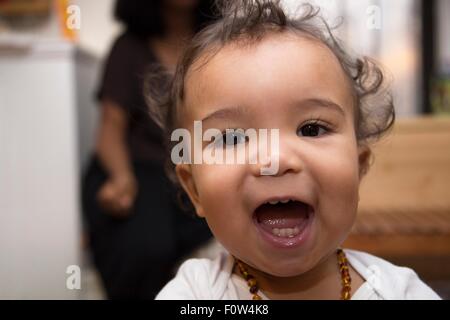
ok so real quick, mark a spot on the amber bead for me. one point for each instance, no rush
(251, 282)
(343, 268)
(346, 295)
(346, 281)
(249, 277)
(254, 289)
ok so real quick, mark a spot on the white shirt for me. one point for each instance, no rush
(205, 279)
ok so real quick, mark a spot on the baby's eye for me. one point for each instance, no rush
(233, 138)
(312, 130)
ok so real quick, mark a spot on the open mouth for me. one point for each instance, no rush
(283, 222)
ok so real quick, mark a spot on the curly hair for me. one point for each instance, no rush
(249, 21)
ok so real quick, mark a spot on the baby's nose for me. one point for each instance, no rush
(279, 157)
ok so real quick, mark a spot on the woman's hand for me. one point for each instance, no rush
(117, 195)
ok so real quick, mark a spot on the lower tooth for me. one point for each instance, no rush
(285, 232)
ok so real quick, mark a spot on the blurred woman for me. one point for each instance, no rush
(136, 230)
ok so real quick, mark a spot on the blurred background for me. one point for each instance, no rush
(52, 54)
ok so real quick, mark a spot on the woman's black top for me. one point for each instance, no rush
(122, 83)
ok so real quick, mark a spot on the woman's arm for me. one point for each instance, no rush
(118, 193)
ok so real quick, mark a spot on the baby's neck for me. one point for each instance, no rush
(323, 282)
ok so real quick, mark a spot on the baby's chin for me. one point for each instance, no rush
(318, 257)
(285, 268)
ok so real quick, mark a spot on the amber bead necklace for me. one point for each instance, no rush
(346, 280)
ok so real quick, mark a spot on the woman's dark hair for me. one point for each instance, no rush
(247, 22)
(144, 18)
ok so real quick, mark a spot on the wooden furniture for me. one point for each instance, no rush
(404, 212)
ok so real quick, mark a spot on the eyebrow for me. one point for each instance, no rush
(238, 111)
(227, 113)
(320, 102)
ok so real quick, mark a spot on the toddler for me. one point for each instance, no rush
(257, 68)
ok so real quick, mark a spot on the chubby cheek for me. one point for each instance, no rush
(337, 180)
(219, 191)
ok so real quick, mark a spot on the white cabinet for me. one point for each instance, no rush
(39, 169)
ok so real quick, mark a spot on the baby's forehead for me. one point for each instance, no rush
(228, 55)
(278, 61)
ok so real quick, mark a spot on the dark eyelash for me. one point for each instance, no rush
(318, 122)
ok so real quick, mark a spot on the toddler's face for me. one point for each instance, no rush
(295, 85)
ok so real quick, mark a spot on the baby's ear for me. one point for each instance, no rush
(364, 157)
(184, 174)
